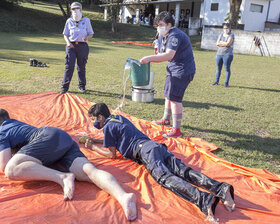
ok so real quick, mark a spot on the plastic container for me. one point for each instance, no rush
(140, 75)
(151, 82)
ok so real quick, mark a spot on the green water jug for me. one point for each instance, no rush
(140, 75)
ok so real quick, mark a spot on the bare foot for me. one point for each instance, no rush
(129, 206)
(68, 186)
(210, 216)
(228, 202)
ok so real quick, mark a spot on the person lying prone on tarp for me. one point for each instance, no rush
(36, 149)
(120, 134)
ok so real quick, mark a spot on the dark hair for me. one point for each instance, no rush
(228, 25)
(165, 17)
(99, 108)
(4, 115)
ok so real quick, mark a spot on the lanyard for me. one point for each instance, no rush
(77, 23)
(164, 40)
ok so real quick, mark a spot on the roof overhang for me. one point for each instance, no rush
(142, 2)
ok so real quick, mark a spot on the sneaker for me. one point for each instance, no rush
(215, 83)
(62, 91)
(162, 122)
(226, 85)
(173, 133)
(82, 89)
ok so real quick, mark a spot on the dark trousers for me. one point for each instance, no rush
(174, 175)
(79, 52)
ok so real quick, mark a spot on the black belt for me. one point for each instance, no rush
(139, 147)
(77, 42)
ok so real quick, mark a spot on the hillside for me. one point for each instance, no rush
(39, 17)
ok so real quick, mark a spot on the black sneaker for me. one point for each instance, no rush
(226, 85)
(215, 83)
(62, 91)
(82, 89)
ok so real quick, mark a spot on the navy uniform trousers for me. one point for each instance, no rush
(174, 175)
(79, 51)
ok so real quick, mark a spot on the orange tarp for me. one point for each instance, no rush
(133, 43)
(257, 191)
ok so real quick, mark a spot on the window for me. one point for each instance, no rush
(256, 8)
(214, 6)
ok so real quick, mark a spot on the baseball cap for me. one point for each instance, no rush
(76, 5)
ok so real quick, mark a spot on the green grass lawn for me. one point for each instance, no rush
(243, 120)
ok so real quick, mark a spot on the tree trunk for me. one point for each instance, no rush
(68, 8)
(66, 14)
(62, 10)
(234, 12)
(114, 24)
(92, 4)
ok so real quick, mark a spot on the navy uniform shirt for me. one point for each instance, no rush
(182, 64)
(119, 132)
(75, 31)
(15, 134)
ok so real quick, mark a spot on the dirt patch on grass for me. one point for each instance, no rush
(262, 133)
(198, 134)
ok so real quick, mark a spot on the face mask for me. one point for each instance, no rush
(77, 14)
(162, 30)
(226, 30)
(96, 124)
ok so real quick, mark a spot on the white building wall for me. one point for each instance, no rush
(253, 21)
(214, 18)
(274, 11)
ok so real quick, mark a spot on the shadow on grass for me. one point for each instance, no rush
(99, 93)
(200, 105)
(18, 43)
(4, 92)
(247, 142)
(19, 58)
(260, 89)
(15, 61)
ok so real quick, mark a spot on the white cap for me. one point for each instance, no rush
(76, 5)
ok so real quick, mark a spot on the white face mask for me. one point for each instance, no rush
(162, 30)
(77, 14)
(226, 30)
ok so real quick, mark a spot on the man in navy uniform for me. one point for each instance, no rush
(174, 47)
(27, 153)
(120, 134)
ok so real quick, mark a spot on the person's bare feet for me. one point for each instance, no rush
(68, 186)
(228, 202)
(210, 216)
(128, 204)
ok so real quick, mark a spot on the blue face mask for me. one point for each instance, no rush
(96, 124)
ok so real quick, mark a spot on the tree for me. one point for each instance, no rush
(234, 12)
(92, 4)
(60, 3)
(114, 9)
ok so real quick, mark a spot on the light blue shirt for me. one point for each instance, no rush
(75, 31)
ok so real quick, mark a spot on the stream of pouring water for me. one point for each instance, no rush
(127, 67)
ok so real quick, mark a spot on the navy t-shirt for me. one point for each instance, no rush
(119, 132)
(15, 134)
(182, 65)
